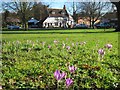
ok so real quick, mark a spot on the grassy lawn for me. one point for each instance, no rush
(30, 58)
(60, 35)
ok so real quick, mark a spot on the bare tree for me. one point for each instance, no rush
(21, 8)
(117, 4)
(74, 8)
(40, 12)
(94, 10)
(5, 14)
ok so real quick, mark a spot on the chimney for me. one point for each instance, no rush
(64, 7)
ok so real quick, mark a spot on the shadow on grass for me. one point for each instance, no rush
(53, 32)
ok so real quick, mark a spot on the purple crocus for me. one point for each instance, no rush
(72, 68)
(68, 47)
(43, 43)
(49, 46)
(0, 87)
(108, 46)
(59, 75)
(55, 41)
(101, 52)
(69, 82)
(63, 74)
(77, 43)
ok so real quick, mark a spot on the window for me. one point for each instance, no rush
(56, 23)
(53, 12)
(63, 13)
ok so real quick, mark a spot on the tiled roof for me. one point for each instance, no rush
(110, 15)
(10, 19)
(57, 12)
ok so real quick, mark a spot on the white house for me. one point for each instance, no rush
(58, 18)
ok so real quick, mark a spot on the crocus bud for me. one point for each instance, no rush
(59, 75)
(72, 69)
(69, 82)
(55, 41)
(49, 46)
(101, 52)
(68, 47)
(108, 46)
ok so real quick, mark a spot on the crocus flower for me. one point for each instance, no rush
(63, 74)
(72, 68)
(63, 45)
(108, 46)
(49, 46)
(33, 44)
(59, 75)
(73, 44)
(77, 43)
(69, 82)
(82, 43)
(29, 49)
(0, 87)
(55, 41)
(18, 42)
(101, 52)
(43, 43)
(29, 41)
(68, 47)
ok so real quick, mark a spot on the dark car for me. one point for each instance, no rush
(103, 25)
(13, 27)
(83, 26)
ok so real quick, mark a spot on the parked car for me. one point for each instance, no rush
(13, 27)
(103, 25)
(83, 26)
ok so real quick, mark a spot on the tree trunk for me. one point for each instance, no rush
(25, 26)
(117, 4)
(24, 21)
(118, 15)
(90, 22)
(74, 16)
(93, 24)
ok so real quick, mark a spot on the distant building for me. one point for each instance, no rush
(12, 20)
(58, 18)
(85, 20)
(110, 17)
(33, 23)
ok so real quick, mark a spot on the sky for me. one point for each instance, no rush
(52, 3)
(56, 4)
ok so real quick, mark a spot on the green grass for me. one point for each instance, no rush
(27, 63)
(60, 34)
(89, 35)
